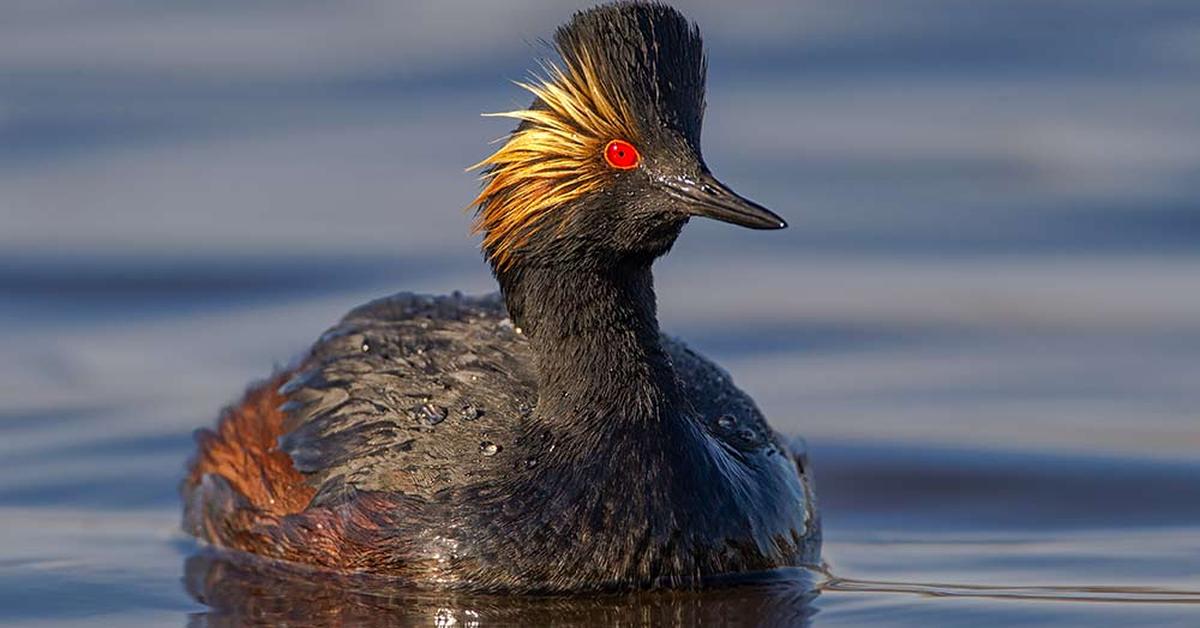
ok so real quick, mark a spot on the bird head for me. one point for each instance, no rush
(605, 165)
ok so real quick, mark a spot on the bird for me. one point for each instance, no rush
(548, 438)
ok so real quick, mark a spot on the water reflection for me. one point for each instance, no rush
(240, 590)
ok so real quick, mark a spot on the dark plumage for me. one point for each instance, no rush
(549, 439)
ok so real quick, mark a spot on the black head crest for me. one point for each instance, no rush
(630, 71)
(648, 54)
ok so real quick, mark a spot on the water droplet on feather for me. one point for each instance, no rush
(431, 414)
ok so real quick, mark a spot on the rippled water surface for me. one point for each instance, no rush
(985, 317)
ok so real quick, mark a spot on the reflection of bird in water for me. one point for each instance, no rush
(241, 591)
(552, 439)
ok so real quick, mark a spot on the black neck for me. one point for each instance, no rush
(594, 332)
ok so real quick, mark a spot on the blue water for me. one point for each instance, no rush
(985, 317)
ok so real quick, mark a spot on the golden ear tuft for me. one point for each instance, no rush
(554, 157)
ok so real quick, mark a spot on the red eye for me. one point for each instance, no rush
(621, 155)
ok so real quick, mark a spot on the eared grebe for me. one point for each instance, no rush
(549, 438)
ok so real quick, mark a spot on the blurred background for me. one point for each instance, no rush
(985, 316)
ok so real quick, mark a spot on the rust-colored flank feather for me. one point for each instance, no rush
(243, 451)
(554, 157)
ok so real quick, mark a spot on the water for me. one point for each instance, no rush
(985, 317)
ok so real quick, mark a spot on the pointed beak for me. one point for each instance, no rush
(705, 196)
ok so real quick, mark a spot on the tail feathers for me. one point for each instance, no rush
(238, 476)
(242, 493)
